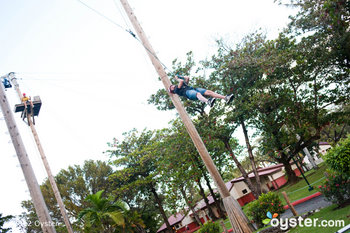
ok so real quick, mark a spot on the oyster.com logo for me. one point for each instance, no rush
(270, 216)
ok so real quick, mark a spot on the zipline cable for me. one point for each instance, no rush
(129, 31)
(121, 13)
(102, 15)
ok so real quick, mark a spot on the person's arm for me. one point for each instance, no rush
(187, 79)
(181, 81)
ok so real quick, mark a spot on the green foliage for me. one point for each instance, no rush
(281, 91)
(74, 183)
(338, 158)
(162, 99)
(329, 213)
(328, 22)
(210, 227)
(101, 215)
(3, 220)
(136, 179)
(104, 215)
(336, 188)
(269, 202)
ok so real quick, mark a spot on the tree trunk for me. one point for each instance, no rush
(251, 157)
(207, 180)
(218, 206)
(240, 167)
(201, 192)
(196, 217)
(162, 212)
(292, 178)
(223, 226)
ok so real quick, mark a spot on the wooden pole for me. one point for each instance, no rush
(44, 159)
(37, 197)
(238, 222)
(295, 213)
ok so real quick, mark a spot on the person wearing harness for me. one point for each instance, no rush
(27, 102)
(191, 93)
(6, 83)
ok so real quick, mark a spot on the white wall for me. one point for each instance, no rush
(237, 188)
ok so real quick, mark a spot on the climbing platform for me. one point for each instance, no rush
(36, 109)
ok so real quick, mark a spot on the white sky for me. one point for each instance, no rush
(94, 79)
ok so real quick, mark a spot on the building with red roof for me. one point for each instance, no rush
(272, 178)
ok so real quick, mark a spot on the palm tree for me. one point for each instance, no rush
(133, 222)
(108, 217)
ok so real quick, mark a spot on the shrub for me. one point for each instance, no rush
(336, 188)
(210, 227)
(338, 158)
(269, 202)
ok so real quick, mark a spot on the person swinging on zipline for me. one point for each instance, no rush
(191, 93)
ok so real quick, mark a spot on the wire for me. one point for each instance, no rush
(62, 76)
(102, 15)
(155, 56)
(121, 13)
(127, 30)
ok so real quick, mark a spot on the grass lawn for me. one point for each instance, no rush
(300, 189)
(227, 225)
(328, 213)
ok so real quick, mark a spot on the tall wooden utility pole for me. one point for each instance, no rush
(55, 190)
(238, 222)
(38, 200)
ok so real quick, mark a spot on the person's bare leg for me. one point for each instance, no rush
(213, 94)
(202, 98)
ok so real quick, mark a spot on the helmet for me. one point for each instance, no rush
(24, 94)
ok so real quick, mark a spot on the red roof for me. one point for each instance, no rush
(261, 171)
(201, 204)
(172, 221)
(228, 186)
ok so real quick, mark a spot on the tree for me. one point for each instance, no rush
(102, 214)
(338, 157)
(237, 71)
(74, 183)
(3, 220)
(135, 158)
(323, 26)
(107, 216)
(336, 129)
(181, 170)
(289, 97)
(195, 108)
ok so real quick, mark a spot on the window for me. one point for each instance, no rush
(244, 191)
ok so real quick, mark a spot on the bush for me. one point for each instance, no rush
(336, 188)
(338, 158)
(210, 227)
(269, 202)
